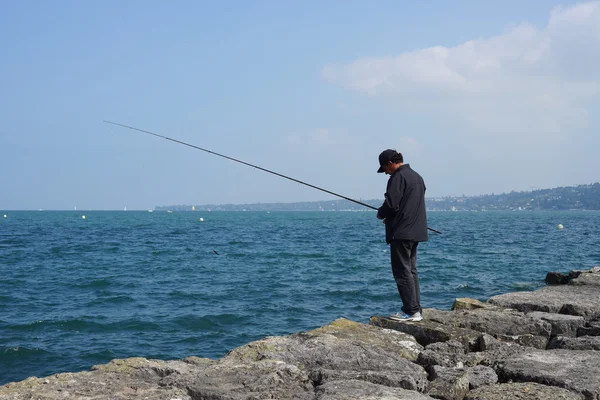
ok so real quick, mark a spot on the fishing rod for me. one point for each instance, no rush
(250, 165)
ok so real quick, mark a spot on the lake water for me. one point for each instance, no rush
(77, 292)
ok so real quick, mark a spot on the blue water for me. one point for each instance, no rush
(77, 292)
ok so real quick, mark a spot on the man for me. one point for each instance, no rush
(405, 226)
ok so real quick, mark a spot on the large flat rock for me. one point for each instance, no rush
(522, 391)
(562, 324)
(579, 343)
(588, 279)
(427, 332)
(361, 390)
(133, 378)
(582, 301)
(343, 350)
(499, 324)
(577, 371)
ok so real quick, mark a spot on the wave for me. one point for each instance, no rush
(83, 325)
(95, 284)
(108, 300)
(18, 352)
(205, 322)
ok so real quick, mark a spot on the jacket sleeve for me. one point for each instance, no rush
(393, 195)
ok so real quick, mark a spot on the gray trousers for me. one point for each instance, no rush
(404, 268)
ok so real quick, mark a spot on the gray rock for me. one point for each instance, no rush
(557, 278)
(447, 354)
(389, 340)
(588, 331)
(584, 301)
(575, 277)
(587, 279)
(449, 347)
(537, 342)
(449, 383)
(361, 390)
(501, 324)
(481, 376)
(409, 380)
(579, 343)
(487, 342)
(133, 378)
(498, 353)
(578, 371)
(592, 329)
(562, 325)
(522, 391)
(575, 273)
(429, 358)
(427, 332)
(465, 303)
(342, 350)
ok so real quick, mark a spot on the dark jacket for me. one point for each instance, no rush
(404, 206)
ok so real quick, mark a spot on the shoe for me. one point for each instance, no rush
(406, 317)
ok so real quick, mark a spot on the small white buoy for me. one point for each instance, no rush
(560, 226)
(83, 217)
(201, 219)
(5, 216)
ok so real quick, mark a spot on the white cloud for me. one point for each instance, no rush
(527, 83)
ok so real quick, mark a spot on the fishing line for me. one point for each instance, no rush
(250, 165)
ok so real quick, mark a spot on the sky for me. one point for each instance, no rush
(479, 96)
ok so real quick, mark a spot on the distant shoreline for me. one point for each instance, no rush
(581, 197)
(569, 198)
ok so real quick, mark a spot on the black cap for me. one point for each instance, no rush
(385, 157)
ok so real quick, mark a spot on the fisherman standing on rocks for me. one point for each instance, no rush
(405, 226)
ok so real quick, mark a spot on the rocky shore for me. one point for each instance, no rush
(525, 345)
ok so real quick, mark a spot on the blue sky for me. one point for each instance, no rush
(480, 97)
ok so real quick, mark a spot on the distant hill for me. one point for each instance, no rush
(581, 197)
